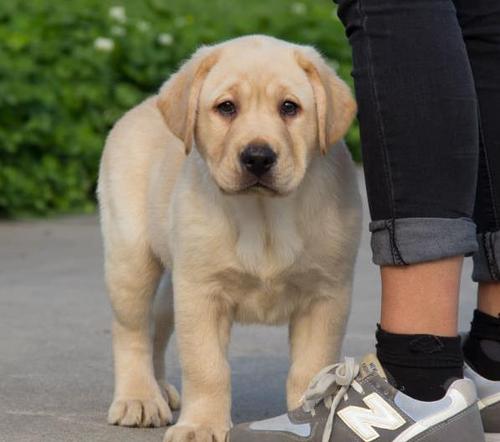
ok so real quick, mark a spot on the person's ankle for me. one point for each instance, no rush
(488, 298)
(482, 346)
(420, 365)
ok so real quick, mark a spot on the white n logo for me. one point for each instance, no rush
(380, 414)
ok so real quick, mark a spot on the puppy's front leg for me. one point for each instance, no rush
(203, 325)
(132, 275)
(316, 335)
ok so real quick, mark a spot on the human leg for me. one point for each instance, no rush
(419, 132)
(480, 23)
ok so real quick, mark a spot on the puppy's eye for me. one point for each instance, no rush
(289, 108)
(227, 108)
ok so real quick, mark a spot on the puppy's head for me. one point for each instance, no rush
(257, 109)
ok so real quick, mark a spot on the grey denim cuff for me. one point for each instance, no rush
(404, 241)
(487, 258)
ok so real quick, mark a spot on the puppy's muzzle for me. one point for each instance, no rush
(258, 159)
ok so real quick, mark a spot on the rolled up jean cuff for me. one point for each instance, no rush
(487, 258)
(405, 241)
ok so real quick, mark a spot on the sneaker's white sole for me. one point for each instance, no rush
(492, 437)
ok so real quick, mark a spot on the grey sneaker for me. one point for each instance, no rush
(489, 403)
(348, 402)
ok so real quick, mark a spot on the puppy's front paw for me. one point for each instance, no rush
(195, 433)
(140, 412)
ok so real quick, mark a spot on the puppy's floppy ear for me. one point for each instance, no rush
(178, 97)
(335, 105)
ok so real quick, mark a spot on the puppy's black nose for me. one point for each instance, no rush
(258, 159)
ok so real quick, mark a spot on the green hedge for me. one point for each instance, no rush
(69, 69)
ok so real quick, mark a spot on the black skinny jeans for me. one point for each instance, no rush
(427, 80)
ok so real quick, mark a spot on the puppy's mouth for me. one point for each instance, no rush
(260, 187)
(257, 187)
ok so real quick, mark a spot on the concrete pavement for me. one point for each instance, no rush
(55, 344)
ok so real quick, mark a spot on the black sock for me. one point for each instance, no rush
(482, 346)
(421, 366)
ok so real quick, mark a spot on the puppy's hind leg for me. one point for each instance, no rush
(132, 275)
(163, 327)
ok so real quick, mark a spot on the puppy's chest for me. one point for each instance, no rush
(272, 270)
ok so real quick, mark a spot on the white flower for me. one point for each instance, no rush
(299, 8)
(118, 13)
(118, 31)
(165, 39)
(104, 44)
(143, 26)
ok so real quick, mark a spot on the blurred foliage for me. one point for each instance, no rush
(68, 70)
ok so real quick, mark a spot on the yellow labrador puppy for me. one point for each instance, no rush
(235, 180)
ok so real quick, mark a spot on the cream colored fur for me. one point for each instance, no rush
(233, 254)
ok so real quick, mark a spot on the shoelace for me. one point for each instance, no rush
(330, 385)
